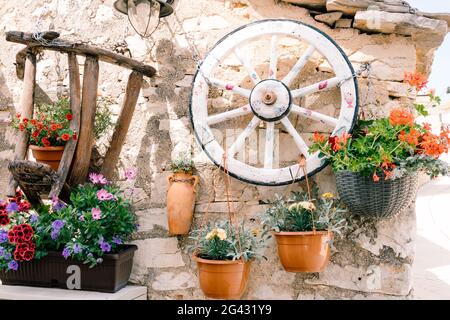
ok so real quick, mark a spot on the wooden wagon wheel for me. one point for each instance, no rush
(271, 100)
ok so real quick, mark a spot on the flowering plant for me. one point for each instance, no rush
(388, 147)
(97, 220)
(182, 164)
(50, 125)
(223, 241)
(299, 214)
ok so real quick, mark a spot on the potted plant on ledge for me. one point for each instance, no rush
(304, 229)
(49, 131)
(181, 195)
(223, 255)
(74, 246)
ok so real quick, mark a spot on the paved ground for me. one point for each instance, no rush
(432, 263)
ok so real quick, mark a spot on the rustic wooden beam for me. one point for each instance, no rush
(82, 49)
(75, 106)
(26, 109)
(80, 166)
(134, 86)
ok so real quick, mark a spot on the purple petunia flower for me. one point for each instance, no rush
(54, 235)
(57, 205)
(104, 195)
(66, 253)
(3, 236)
(2, 252)
(97, 178)
(117, 240)
(13, 265)
(7, 255)
(12, 207)
(34, 218)
(105, 246)
(77, 248)
(58, 225)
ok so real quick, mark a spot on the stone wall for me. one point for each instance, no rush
(372, 261)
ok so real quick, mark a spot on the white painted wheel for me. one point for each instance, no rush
(269, 102)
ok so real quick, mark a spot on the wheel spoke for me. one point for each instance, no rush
(273, 57)
(268, 156)
(237, 145)
(247, 65)
(220, 117)
(316, 87)
(230, 87)
(298, 66)
(314, 115)
(301, 144)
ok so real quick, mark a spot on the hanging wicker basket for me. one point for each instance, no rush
(384, 198)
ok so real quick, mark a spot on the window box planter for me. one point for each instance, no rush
(53, 271)
(384, 198)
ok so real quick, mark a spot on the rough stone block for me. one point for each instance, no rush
(174, 281)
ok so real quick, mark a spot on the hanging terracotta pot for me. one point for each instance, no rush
(223, 279)
(48, 155)
(304, 251)
(180, 202)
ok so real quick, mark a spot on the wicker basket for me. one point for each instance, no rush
(384, 198)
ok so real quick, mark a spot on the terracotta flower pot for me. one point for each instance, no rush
(180, 202)
(223, 279)
(304, 251)
(48, 155)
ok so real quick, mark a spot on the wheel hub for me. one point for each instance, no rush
(270, 100)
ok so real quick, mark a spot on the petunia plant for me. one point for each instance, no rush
(97, 221)
(389, 147)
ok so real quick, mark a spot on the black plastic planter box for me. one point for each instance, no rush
(53, 271)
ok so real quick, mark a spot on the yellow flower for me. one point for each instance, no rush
(328, 195)
(217, 232)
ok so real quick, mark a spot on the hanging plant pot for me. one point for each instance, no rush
(384, 198)
(53, 271)
(223, 279)
(304, 251)
(180, 202)
(48, 155)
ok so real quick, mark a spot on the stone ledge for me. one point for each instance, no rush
(35, 293)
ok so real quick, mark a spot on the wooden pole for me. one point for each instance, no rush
(134, 86)
(83, 151)
(26, 110)
(75, 106)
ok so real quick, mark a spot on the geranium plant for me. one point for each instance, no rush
(389, 147)
(223, 241)
(299, 214)
(97, 221)
(50, 125)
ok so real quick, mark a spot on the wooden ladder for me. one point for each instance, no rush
(35, 179)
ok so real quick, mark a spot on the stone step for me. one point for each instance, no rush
(36, 293)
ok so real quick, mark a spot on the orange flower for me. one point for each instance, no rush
(65, 137)
(318, 138)
(33, 122)
(375, 177)
(427, 126)
(54, 127)
(416, 80)
(411, 138)
(401, 116)
(21, 127)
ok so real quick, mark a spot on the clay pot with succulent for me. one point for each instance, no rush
(304, 228)
(224, 253)
(181, 195)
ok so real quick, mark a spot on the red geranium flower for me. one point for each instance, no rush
(54, 126)
(74, 136)
(65, 137)
(35, 134)
(4, 218)
(18, 115)
(69, 116)
(416, 79)
(46, 142)
(375, 177)
(24, 206)
(401, 116)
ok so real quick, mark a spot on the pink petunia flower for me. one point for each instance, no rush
(131, 174)
(104, 195)
(96, 213)
(97, 178)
